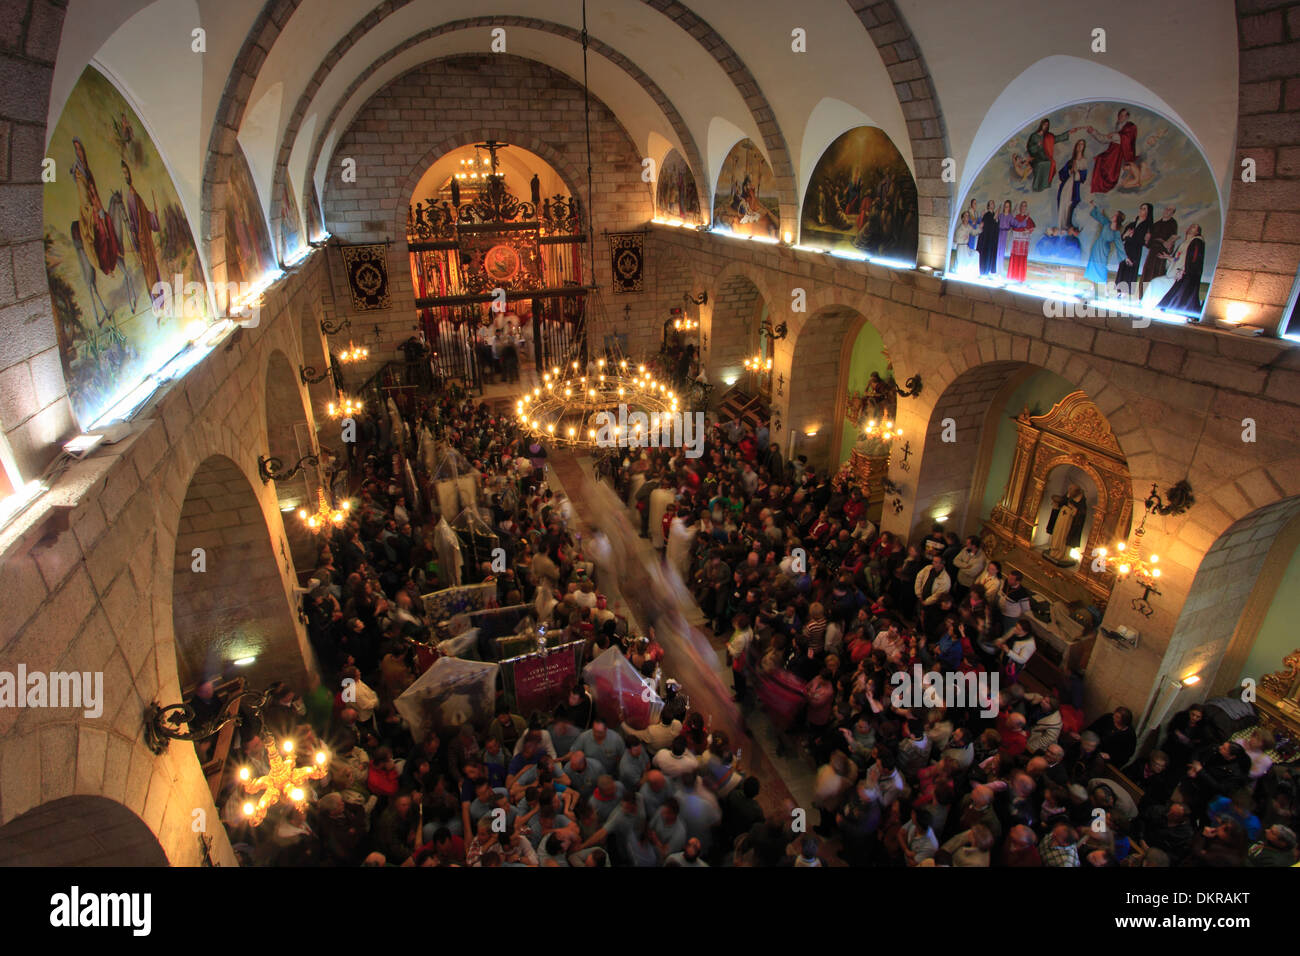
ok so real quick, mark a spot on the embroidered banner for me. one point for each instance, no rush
(367, 271)
(627, 261)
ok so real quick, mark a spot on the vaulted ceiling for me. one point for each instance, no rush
(289, 76)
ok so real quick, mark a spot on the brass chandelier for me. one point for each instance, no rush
(603, 404)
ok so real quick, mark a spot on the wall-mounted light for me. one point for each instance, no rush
(335, 329)
(1192, 680)
(310, 376)
(1236, 312)
(788, 238)
(913, 388)
(272, 469)
(811, 431)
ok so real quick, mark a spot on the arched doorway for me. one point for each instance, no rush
(290, 438)
(79, 831)
(737, 315)
(1236, 621)
(498, 257)
(815, 420)
(230, 613)
(1009, 448)
(316, 358)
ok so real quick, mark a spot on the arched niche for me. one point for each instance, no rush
(862, 199)
(745, 199)
(79, 831)
(290, 438)
(1074, 202)
(115, 235)
(230, 614)
(738, 308)
(676, 195)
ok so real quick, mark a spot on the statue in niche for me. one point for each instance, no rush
(1066, 525)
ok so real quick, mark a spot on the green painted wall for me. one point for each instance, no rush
(1040, 392)
(1277, 635)
(868, 356)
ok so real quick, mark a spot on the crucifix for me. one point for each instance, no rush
(907, 452)
(288, 567)
(780, 384)
(492, 146)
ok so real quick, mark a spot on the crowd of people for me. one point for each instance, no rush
(822, 617)
(815, 610)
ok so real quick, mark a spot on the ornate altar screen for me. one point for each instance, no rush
(466, 255)
(1074, 434)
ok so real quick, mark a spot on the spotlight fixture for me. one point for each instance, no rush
(272, 469)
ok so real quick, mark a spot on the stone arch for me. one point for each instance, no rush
(736, 302)
(778, 153)
(384, 10)
(846, 374)
(316, 357)
(291, 437)
(815, 385)
(224, 137)
(1214, 631)
(80, 830)
(235, 607)
(948, 473)
(926, 128)
(574, 179)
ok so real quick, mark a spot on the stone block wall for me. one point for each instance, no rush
(34, 408)
(733, 331)
(88, 576)
(1261, 246)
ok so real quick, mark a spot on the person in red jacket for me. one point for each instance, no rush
(669, 514)
(383, 777)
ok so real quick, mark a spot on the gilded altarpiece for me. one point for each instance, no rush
(1074, 432)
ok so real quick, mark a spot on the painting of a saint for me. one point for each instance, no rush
(290, 223)
(1089, 180)
(117, 243)
(315, 222)
(675, 193)
(862, 198)
(745, 200)
(248, 242)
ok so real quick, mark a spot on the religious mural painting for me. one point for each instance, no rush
(117, 246)
(315, 221)
(745, 200)
(862, 198)
(248, 244)
(291, 240)
(1105, 198)
(675, 194)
